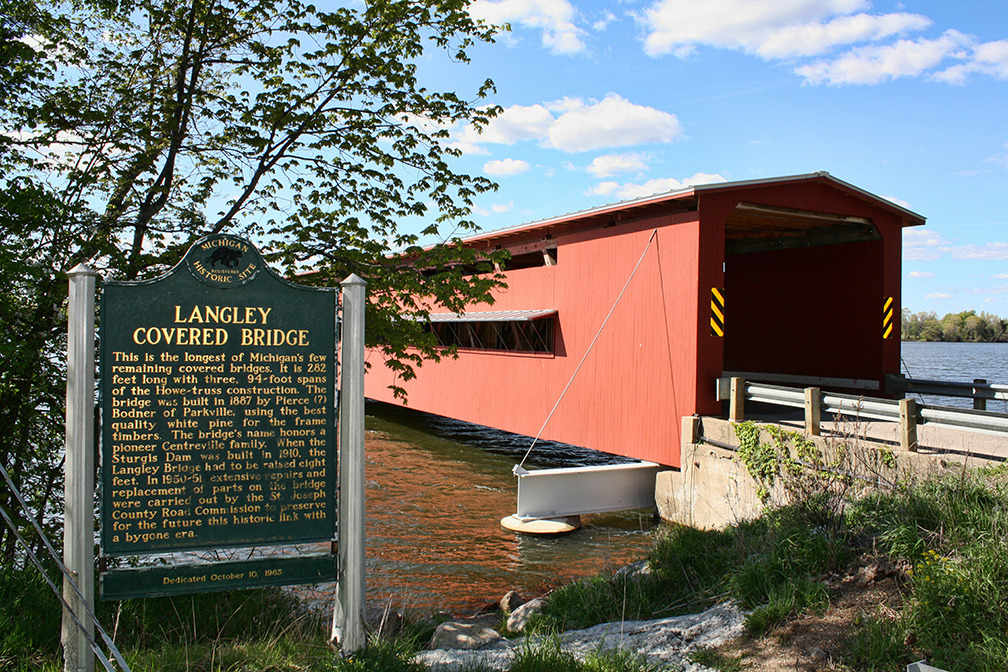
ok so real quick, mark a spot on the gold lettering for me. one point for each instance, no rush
(275, 337)
(224, 315)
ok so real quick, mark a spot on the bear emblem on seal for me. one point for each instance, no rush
(225, 255)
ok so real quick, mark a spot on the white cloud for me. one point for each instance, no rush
(988, 251)
(612, 122)
(613, 164)
(938, 295)
(502, 207)
(603, 23)
(505, 167)
(812, 39)
(999, 159)
(603, 189)
(779, 29)
(877, 63)
(992, 57)
(989, 58)
(852, 45)
(920, 274)
(898, 201)
(513, 124)
(578, 126)
(923, 245)
(555, 18)
(656, 186)
(1000, 276)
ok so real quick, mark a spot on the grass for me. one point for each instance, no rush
(954, 531)
(29, 621)
(245, 631)
(768, 565)
(264, 629)
(951, 530)
(544, 654)
(717, 661)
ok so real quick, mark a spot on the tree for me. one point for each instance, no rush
(964, 326)
(135, 127)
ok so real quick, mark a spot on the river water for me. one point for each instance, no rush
(958, 362)
(436, 491)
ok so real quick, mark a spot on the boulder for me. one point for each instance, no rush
(519, 618)
(511, 601)
(455, 635)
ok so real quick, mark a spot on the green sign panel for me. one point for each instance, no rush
(161, 580)
(217, 407)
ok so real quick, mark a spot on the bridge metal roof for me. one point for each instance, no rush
(910, 218)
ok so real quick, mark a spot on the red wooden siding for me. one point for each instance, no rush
(628, 397)
(806, 311)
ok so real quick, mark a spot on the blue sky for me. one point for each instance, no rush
(605, 101)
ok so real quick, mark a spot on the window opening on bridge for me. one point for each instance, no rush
(541, 256)
(534, 259)
(513, 331)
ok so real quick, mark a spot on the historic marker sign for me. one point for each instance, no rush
(217, 399)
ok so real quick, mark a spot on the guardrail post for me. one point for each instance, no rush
(979, 403)
(908, 424)
(736, 407)
(813, 410)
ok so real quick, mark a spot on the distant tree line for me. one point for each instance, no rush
(966, 326)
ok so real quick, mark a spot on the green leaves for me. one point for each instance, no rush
(306, 130)
(145, 125)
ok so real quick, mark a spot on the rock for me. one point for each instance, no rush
(383, 622)
(519, 618)
(497, 658)
(665, 642)
(468, 636)
(511, 601)
(635, 569)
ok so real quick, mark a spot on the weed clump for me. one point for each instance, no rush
(827, 505)
(953, 530)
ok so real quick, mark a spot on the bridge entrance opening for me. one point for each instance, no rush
(804, 291)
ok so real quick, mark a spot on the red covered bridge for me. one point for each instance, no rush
(808, 267)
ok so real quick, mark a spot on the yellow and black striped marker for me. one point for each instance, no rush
(887, 315)
(717, 311)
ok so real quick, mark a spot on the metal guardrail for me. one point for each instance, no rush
(978, 389)
(956, 418)
(887, 410)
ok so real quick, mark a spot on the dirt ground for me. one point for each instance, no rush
(811, 643)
